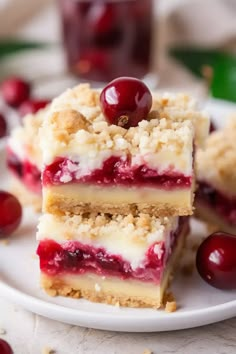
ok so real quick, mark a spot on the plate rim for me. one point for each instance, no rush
(125, 323)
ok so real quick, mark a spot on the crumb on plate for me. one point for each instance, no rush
(170, 302)
(5, 242)
(47, 350)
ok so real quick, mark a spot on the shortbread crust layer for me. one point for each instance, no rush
(76, 199)
(112, 290)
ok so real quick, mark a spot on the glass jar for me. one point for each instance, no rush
(105, 39)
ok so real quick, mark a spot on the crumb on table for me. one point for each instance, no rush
(47, 350)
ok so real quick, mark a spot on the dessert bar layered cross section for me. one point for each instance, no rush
(24, 159)
(216, 174)
(93, 166)
(125, 260)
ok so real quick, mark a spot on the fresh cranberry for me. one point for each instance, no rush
(32, 106)
(5, 347)
(10, 213)
(3, 126)
(216, 261)
(15, 91)
(126, 101)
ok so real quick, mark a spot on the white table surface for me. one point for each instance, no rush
(30, 334)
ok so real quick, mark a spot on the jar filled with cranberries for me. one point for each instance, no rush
(105, 39)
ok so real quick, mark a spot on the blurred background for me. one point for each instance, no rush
(176, 44)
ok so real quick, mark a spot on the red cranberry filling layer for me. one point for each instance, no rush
(115, 171)
(28, 173)
(76, 258)
(220, 203)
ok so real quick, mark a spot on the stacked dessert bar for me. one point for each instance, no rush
(216, 194)
(24, 159)
(116, 200)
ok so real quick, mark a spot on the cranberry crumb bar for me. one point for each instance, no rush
(216, 194)
(93, 166)
(110, 258)
(24, 159)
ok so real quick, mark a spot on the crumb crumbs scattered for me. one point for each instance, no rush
(147, 351)
(47, 350)
(2, 331)
(171, 306)
(5, 242)
(170, 302)
(187, 269)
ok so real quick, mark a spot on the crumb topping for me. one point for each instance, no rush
(171, 126)
(143, 227)
(216, 164)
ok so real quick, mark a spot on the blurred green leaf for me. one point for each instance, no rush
(8, 47)
(195, 59)
(222, 84)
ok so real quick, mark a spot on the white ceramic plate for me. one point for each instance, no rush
(198, 303)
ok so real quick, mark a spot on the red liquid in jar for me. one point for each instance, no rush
(105, 39)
